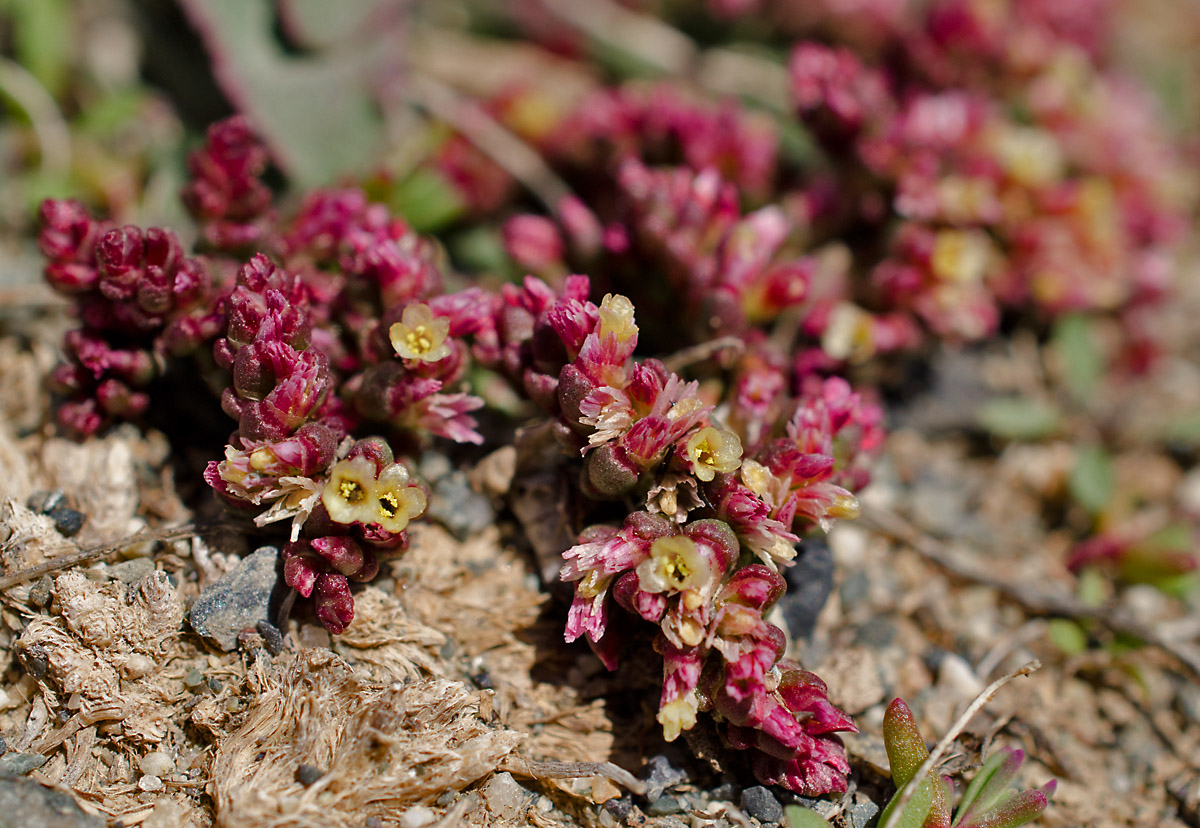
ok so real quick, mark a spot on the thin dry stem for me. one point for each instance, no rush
(974, 707)
(95, 553)
(1030, 598)
(491, 138)
(536, 769)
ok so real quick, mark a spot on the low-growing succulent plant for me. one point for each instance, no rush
(987, 801)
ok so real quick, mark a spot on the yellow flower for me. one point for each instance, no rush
(421, 336)
(616, 317)
(674, 565)
(678, 716)
(395, 501)
(960, 256)
(711, 450)
(349, 496)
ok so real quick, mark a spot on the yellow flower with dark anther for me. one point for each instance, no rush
(675, 564)
(349, 496)
(395, 502)
(711, 450)
(419, 335)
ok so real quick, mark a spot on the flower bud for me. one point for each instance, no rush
(610, 472)
(573, 388)
(333, 603)
(533, 242)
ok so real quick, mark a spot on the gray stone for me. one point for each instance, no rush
(458, 507)
(661, 774)
(67, 521)
(664, 805)
(132, 571)
(308, 774)
(809, 581)
(25, 803)
(239, 600)
(761, 804)
(861, 813)
(18, 764)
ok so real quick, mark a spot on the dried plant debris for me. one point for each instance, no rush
(380, 746)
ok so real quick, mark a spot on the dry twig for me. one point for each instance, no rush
(1030, 598)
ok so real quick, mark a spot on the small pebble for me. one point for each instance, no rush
(3, 746)
(661, 774)
(620, 807)
(240, 599)
(761, 804)
(418, 816)
(664, 805)
(214, 684)
(132, 571)
(860, 814)
(67, 521)
(137, 665)
(194, 679)
(39, 593)
(447, 798)
(44, 502)
(36, 660)
(308, 774)
(233, 705)
(150, 783)
(271, 636)
(157, 763)
(19, 764)
(505, 797)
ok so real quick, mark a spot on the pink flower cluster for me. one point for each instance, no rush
(334, 323)
(350, 501)
(996, 139)
(719, 513)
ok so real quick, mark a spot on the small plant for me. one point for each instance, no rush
(987, 801)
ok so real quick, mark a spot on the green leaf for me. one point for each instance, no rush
(317, 112)
(798, 817)
(1082, 362)
(43, 34)
(1068, 636)
(989, 784)
(1092, 479)
(1019, 418)
(1094, 587)
(915, 811)
(906, 753)
(427, 200)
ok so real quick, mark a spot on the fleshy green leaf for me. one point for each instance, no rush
(1092, 479)
(1080, 357)
(1019, 418)
(426, 199)
(989, 784)
(906, 753)
(1018, 809)
(1067, 636)
(316, 112)
(798, 817)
